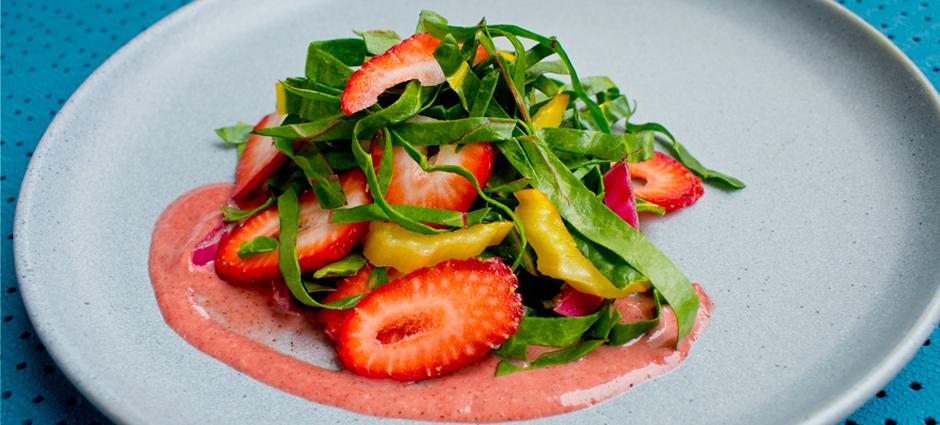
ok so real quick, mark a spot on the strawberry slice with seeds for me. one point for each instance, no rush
(431, 321)
(356, 284)
(319, 242)
(410, 185)
(665, 182)
(258, 162)
(412, 59)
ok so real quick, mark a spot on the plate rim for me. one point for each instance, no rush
(835, 408)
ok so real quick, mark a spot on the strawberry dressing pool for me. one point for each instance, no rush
(243, 327)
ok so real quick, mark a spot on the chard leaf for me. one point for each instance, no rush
(511, 187)
(644, 205)
(349, 51)
(235, 135)
(230, 214)
(324, 68)
(428, 16)
(467, 130)
(311, 104)
(685, 157)
(347, 266)
(313, 287)
(317, 171)
(553, 331)
(372, 212)
(258, 245)
(597, 223)
(340, 161)
(552, 358)
(378, 41)
(325, 129)
(611, 265)
(288, 214)
(634, 147)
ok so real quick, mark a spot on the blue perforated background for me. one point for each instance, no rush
(49, 47)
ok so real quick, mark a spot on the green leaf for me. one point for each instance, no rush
(483, 101)
(324, 68)
(325, 129)
(317, 171)
(685, 157)
(378, 277)
(349, 51)
(611, 265)
(569, 142)
(428, 16)
(235, 135)
(309, 103)
(372, 212)
(378, 41)
(553, 331)
(288, 214)
(511, 187)
(258, 245)
(347, 266)
(230, 214)
(552, 358)
(597, 223)
(644, 205)
(313, 287)
(467, 130)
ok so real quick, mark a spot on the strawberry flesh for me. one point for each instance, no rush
(412, 59)
(431, 321)
(410, 185)
(665, 182)
(319, 242)
(259, 160)
(356, 284)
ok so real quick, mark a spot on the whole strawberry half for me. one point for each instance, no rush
(410, 185)
(412, 59)
(319, 242)
(259, 160)
(431, 321)
(665, 182)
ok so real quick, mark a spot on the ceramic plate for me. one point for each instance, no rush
(824, 271)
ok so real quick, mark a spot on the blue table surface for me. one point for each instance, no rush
(50, 47)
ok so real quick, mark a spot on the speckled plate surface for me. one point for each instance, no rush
(825, 271)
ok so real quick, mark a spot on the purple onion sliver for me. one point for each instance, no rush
(571, 303)
(618, 195)
(205, 250)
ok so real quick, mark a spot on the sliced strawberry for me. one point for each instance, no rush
(665, 182)
(258, 162)
(412, 59)
(319, 242)
(431, 321)
(410, 185)
(351, 286)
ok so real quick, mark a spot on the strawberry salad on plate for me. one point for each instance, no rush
(459, 208)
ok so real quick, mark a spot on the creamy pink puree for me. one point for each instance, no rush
(242, 327)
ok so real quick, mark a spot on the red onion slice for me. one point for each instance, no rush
(618, 196)
(204, 252)
(570, 302)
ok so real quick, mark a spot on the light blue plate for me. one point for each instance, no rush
(825, 271)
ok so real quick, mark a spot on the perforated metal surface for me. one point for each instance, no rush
(50, 47)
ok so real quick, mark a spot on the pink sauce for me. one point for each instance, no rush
(244, 328)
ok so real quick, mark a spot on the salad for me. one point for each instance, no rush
(460, 192)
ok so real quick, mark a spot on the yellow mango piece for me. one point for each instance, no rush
(281, 98)
(390, 245)
(558, 254)
(551, 113)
